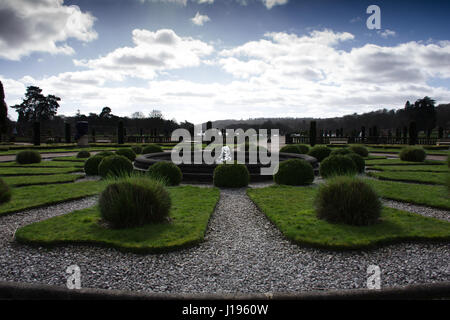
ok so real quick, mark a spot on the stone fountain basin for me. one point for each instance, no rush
(204, 172)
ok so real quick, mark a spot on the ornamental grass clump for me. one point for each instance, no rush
(127, 152)
(166, 171)
(337, 165)
(413, 154)
(28, 157)
(348, 200)
(134, 202)
(115, 166)
(231, 175)
(294, 172)
(319, 152)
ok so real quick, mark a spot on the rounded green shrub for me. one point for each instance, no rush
(28, 157)
(348, 200)
(295, 148)
(359, 161)
(91, 165)
(5, 192)
(83, 154)
(340, 151)
(360, 150)
(127, 152)
(137, 149)
(134, 202)
(231, 175)
(414, 154)
(294, 172)
(115, 166)
(337, 165)
(166, 171)
(105, 154)
(319, 152)
(151, 148)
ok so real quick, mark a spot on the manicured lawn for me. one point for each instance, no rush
(291, 210)
(18, 181)
(419, 168)
(426, 177)
(38, 196)
(399, 162)
(29, 171)
(43, 164)
(60, 150)
(190, 213)
(69, 159)
(432, 196)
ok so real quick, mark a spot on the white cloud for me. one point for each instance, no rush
(205, 1)
(41, 26)
(200, 20)
(153, 52)
(271, 3)
(387, 33)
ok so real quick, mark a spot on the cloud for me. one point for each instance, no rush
(153, 52)
(199, 19)
(205, 1)
(271, 3)
(41, 26)
(387, 33)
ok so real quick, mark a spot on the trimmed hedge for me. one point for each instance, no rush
(28, 157)
(137, 149)
(166, 171)
(295, 148)
(319, 152)
(5, 192)
(337, 165)
(413, 154)
(91, 165)
(294, 172)
(134, 202)
(151, 148)
(340, 151)
(83, 154)
(348, 200)
(105, 154)
(360, 150)
(231, 175)
(127, 152)
(115, 166)
(359, 162)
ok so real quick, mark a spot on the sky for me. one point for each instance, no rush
(200, 60)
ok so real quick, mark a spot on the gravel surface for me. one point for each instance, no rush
(243, 252)
(425, 211)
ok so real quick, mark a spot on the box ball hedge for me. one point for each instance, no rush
(294, 172)
(151, 148)
(83, 154)
(134, 202)
(233, 175)
(91, 165)
(137, 149)
(28, 157)
(340, 151)
(5, 192)
(413, 154)
(359, 161)
(295, 148)
(348, 200)
(319, 152)
(105, 154)
(115, 166)
(166, 171)
(360, 150)
(127, 152)
(337, 165)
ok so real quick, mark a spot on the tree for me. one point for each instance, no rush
(156, 114)
(36, 106)
(3, 110)
(106, 113)
(138, 115)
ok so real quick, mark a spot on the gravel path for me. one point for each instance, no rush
(243, 252)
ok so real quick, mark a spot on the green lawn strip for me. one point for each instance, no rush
(417, 168)
(381, 162)
(291, 210)
(43, 164)
(20, 181)
(69, 159)
(408, 176)
(61, 150)
(397, 151)
(190, 213)
(39, 196)
(30, 171)
(420, 194)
